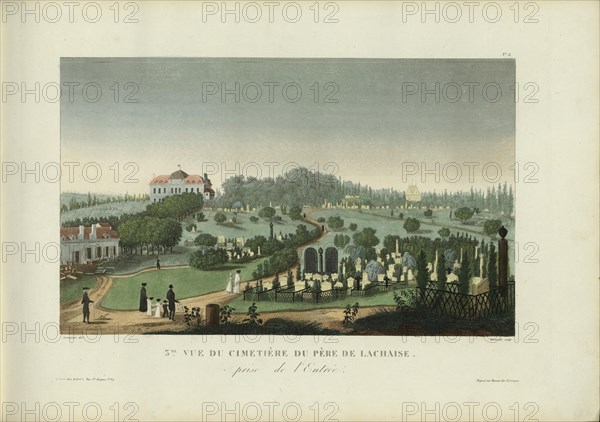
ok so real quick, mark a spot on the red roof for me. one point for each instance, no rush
(159, 180)
(194, 179)
(209, 190)
(102, 232)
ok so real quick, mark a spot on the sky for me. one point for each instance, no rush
(364, 120)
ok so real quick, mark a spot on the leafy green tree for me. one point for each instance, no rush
(366, 238)
(200, 217)
(444, 232)
(441, 272)
(353, 227)
(411, 225)
(220, 218)
(491, 227)
(267, 213)
(422, 272)
(464, 275)
(295, 213)
(492, 270)
(335, 222)
(341, 240)
(464, 214)
(210, 259)
(428, 213)
(206, 240)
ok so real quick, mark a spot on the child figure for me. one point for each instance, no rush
(157, 312)
(149, 310)
(165, 306)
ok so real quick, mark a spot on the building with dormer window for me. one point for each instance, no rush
(180, 182)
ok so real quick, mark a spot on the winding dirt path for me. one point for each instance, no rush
(108, 321)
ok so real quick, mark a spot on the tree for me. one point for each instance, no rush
(374, 268)
(464, 214)
(335, 222)
(444, 232)
(428, 213)
(422, 272)
(464, 275)
(492, 271)
(411, 225)
(353, 227)
(450, 257)
(200, 217)
(341, 240)
(408, 261)
(206, 240)
(295, 213)
(211, 259)
(366, 238)
(441, 272)
(254, 219)
(220, 218)
(267, 213)
(491, 227)
(401, 216)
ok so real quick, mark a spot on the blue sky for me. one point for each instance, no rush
(368, 133)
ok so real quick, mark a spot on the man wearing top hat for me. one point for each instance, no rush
(86, 305)
(143, 299)
(172, 301)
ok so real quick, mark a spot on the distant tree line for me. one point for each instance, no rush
(93, 200)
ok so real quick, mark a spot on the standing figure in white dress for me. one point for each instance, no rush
(149, 311)
(236, 281)
(157, 311)
(229, 288)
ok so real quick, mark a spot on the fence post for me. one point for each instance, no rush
(503, 261)
(212, 315)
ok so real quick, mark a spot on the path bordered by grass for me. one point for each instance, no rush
(187, 282)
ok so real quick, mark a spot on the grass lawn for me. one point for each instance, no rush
(180, 256)
(380, 221)
(381, 299)
(71, 290)
(187, 282)
(243, 227)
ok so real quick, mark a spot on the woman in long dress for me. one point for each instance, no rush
(229, 288)
(236, 282)
(158, 306)
(149, 311)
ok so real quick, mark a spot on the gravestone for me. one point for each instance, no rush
(331, 260)
(310, 260)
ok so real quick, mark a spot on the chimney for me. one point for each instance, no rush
(206, 183)
(93, 234)
(80, 237)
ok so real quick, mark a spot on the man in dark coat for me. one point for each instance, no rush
(157, 263)
(143, 299)
(86, 305)
(172, 301)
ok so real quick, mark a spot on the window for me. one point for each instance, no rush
(153, 190)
